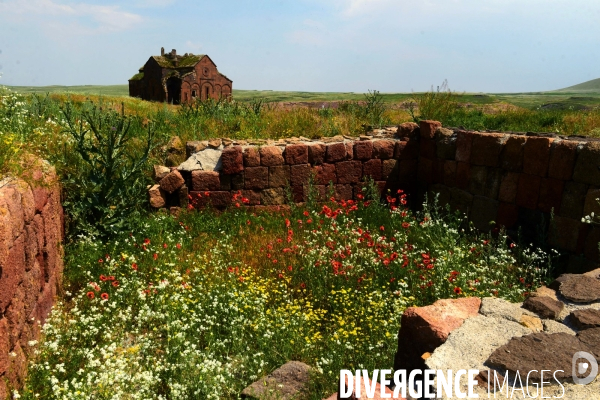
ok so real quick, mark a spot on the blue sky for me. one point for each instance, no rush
(310, 45)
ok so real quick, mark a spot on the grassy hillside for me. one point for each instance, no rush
(592, 86)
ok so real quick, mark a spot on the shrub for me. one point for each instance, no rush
(102, 169)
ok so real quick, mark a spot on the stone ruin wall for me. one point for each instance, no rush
(31, 232)
(514, 179)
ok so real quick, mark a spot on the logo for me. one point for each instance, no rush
(580, 368)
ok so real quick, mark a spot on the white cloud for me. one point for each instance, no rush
(78, 16)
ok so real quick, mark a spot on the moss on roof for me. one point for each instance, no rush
(184, 61)
(137, 77)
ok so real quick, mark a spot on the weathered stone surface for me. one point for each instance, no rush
(591, 337)
(343, 192)
(158, 198)
(508, 215)
(205, 180)
(407, 130)
(500, 308)
(256, 178)
(232, 160)
(335, 152)
(349, 150)
(533, 323)
(363, 150)
(562, 159)
(159, 172)
(287, 382)
(194, 146)
(388, 168)
(207, 160)
(592, 205)
(563, 233)
(587, 167)
(296, 154)
(300, 174)
(12, 272)
(573, 199)
(373, 168)
(463, 175)
(552, 351)
(215, 143)
(511, 158)
(349, 171)
(251, 157)
(585, 319)
(271, 156)
(427, 149)
(508, 187)
(428, 128)
(580, 289)
(423, 329)
(383, 149)
(555, 284)
(253, 197)
(537, 155)
(464, 144)
(406, 150)
(316, 153)
(183, 196)
(217, 199)
(550, 195)
(325, 173)
(446, 144)
(545, 307)
(272, 197)
(552, 326)
(477, 180)
(279, 176)
(487, 148)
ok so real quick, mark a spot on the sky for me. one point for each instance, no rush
(493, 46)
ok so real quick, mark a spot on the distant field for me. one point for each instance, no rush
(583, 96)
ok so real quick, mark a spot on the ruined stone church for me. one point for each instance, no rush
(179, 79)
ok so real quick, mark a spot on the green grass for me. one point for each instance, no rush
(592, 86)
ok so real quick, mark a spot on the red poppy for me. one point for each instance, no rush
(289, 267)
(457, 290)
(302, 285)
(100, 260)
(111, 277)
(155, 256)
(104, 296)
(115, 283)
(134, 266)
(178, 245)
(405, 225)
(90, 295)
(146, 241)
(103, 278)
(165, 246)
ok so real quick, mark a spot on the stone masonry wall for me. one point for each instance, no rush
(518, 179)
(512, 179)
(31, 232)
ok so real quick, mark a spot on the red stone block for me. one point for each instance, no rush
(383, 149)
(407, 150)
(428, 128)
(349, 171)
(562, 159)
(253, 197)
(387, 169)
(232, 160)
(450, 173)
(463, 174)
(508, 187)
(528, 191)
(464, 142)
(335, 152)
(486, 148)
(271, 156)
(205, 180)
(508, 214)
(256, 178)
(551, 194)
(296, 154)
(324, 174)
(428, 149)
(316, 154)
(372, 168)
(40, 197)
(251, 157)
(407, 130)
(172, 181)
(299, 193)
(511, 158)
(300, 174)
(4, 346)
(536, 155)
(343, 192)
(438, 170)
(279, 176)
(363, 150)
(349, 150)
